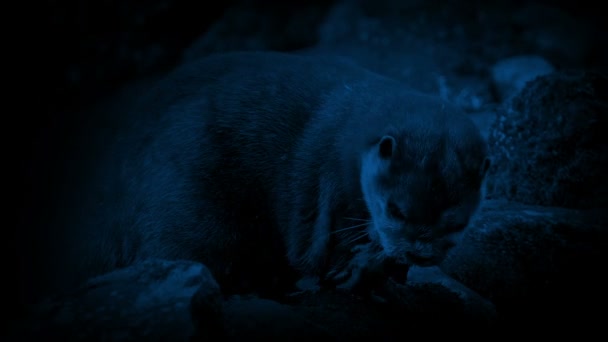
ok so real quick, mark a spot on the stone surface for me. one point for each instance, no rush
(549, 144)
(150, 300)
(535, 261)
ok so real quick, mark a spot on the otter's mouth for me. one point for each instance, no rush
(396, 270)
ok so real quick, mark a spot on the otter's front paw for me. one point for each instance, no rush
(356, 271)
(306, 285)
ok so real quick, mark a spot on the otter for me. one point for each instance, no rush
(270, 165)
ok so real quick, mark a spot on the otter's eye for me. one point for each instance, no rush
(395, 212)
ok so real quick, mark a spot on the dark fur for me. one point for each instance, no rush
(243, 158)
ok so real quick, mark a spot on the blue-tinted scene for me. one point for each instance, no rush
(345, 170)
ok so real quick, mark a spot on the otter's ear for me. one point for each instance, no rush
(485, 165)
(386, 147)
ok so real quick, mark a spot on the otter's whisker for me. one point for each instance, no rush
(351, 227)
(379, 255)
(358, 219)
(354, 239)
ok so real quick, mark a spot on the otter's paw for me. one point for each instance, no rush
(352, 274)
(305, 286)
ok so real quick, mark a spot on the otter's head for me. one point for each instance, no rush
(421, 191)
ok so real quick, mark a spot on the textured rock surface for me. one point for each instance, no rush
(147, 301)
(536, 261)
(549, 144)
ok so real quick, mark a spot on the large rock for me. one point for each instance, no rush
(147, 301)
(549, 144)
(536, 262)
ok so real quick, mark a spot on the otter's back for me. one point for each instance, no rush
(254, 105)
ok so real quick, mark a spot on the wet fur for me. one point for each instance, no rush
(241, 159)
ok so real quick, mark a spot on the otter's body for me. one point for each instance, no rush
(257, 163)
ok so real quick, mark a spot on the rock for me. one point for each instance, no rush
(475, 308)
(549, 144)
(206, 310)
(510, 75)
(150, 301)
(534, 261)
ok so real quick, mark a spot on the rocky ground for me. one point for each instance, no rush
(533, 76)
